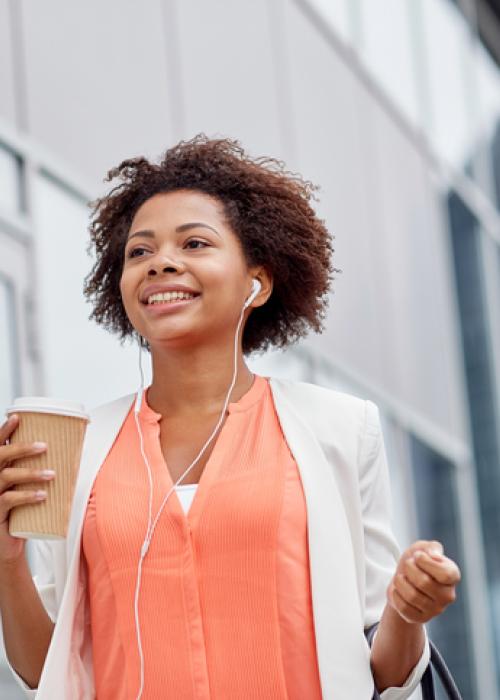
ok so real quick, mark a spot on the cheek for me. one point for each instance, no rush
(126, 282)
(125, 291)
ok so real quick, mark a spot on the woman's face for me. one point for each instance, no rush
(185, 241)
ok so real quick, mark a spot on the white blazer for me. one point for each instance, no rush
(337, 442)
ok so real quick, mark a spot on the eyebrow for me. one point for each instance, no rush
(183, 227)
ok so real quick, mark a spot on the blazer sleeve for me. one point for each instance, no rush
(43, 570)
(381, 548)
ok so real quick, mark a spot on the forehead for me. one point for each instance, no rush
(175, 208)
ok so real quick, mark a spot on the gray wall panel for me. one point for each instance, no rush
(421, 352)
(332, 154)
(323, 108)
(390, 318)
(227, 69)
(97, 85)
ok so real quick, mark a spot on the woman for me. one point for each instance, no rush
(258, 577)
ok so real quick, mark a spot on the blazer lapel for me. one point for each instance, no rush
(104, 426)
(343, 655)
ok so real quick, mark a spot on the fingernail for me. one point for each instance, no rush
(13, 417)
(39, 445)
(47, 473)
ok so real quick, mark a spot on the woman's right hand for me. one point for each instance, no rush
(12, 549)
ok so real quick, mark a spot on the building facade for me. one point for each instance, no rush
(395, 113)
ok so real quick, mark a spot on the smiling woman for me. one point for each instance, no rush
(162, 256)
(265, 209)
(264, 585)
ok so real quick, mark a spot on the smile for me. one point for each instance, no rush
(164, 307)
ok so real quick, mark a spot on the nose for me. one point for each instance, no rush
(164, 264)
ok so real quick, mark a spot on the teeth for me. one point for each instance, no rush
(169, 296)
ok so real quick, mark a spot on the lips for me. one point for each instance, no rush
(166, 307)
(171, 301)
(159, 288)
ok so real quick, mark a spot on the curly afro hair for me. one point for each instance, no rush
(266, 206)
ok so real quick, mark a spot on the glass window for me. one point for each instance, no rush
(479, 377)
(10, 180)
(437, 516)
(495, 159)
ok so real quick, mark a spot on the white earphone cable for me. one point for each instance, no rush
(150, 530)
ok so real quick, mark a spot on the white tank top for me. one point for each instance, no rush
(186, 492)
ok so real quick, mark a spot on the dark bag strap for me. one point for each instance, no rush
(427, 683)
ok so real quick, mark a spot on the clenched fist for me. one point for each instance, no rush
(424, 582)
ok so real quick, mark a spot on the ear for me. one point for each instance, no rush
(266, 283)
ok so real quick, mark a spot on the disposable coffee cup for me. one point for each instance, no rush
(62, 425)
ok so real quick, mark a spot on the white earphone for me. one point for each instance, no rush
(256, 287)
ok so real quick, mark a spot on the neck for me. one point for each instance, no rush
(196, 382)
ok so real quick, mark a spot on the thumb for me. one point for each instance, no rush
(435, 549)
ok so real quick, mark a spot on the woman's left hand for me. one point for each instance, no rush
(424, 582)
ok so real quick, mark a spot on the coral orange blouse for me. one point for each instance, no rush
(225, 606)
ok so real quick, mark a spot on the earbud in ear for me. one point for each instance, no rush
(256, 285)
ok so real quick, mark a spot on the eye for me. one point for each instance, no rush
(196, 240)
(130, 254)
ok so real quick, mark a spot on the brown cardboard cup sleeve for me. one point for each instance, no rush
(62, 425)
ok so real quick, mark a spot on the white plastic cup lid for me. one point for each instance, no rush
(47, 404)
